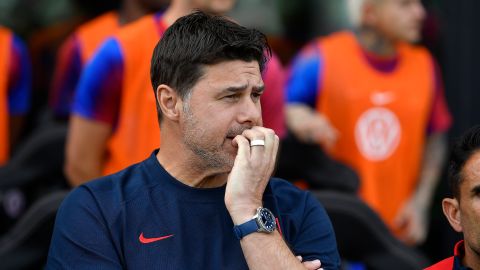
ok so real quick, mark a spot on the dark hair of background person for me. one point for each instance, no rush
(463, 150)
(94, 8)
(200, 39)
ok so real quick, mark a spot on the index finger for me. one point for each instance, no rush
(243, 145)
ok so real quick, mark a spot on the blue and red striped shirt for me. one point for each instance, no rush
(305, 80)
(19, 79)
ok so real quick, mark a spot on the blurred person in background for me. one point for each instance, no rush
(15, 90)
(375, 102)
(463, 210)
(113, 123)
(77, 50)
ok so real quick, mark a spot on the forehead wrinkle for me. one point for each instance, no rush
(241, 88)
(232, 76)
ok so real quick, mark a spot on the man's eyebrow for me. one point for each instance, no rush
(240, 88)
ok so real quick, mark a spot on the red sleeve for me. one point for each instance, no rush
(273, 100)
(65, 78)
(19, 78)
(440, 117)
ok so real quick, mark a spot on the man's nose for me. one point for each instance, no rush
(250, 112)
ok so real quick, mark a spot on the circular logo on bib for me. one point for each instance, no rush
(377, 133)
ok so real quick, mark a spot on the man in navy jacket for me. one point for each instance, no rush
(205, 200)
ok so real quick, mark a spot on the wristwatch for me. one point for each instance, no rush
(262, 221)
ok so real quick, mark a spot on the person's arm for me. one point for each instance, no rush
(307, 124)
(86, 142)
(315, 238)
(246, 184)
(66, 75)
(19, 89)
(81, 237)
(434, 158)
(268, 251)
(95, 111)
(413, 216)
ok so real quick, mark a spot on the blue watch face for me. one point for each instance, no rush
(267, 220)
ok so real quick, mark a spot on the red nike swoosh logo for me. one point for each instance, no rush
(145, 240)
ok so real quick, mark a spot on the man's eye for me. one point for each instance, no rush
(256, 96)
(233, 97)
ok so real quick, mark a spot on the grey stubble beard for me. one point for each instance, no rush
(209, 156)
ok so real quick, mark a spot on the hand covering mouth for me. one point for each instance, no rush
(232, 133)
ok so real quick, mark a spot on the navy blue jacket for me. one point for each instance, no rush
(143, 218)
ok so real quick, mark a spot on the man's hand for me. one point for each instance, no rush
(250, 173)
(311, 127)
(310, 265)
(319, 130)
(246, 183)
(412, 221)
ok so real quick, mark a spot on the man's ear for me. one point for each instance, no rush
(451, 209)
(169, 102)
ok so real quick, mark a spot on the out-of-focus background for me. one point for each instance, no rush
(32, 182)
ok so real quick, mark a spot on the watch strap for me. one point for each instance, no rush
(245, 229)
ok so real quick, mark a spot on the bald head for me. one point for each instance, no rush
(355, 10)
(396, 20)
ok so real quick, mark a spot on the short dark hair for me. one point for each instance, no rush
(467, 145)
(200, 39)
